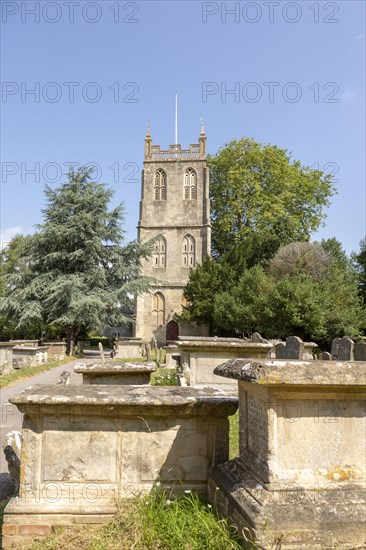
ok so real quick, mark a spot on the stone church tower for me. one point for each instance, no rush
(175, 207)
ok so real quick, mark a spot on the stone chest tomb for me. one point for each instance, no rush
(300, 477)
(112, 374)
(85, 445)
(199, 357)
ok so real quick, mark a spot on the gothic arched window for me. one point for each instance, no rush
(158, 309)
(189, 251)
(190, 184)
(159, 257)
(160, 185)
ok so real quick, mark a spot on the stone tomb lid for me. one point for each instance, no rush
(110, 368)
(17, 347)
(223, 344)
(130, 400)
(295, 372)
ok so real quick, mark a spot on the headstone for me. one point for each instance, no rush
(346, 349)
(309, 348)
(258, 339)
(335, 348)
(280, 350)
(64, 378)
(294, 347)
(101, 351)
(154, 344)
(325, 356)
(360, 351)
(148, 351)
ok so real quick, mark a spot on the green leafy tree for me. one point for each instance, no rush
(305, 290)
(13, 262)
(258, 191)
(78, 274)
(204, 282)
(359, 262)
(243, 309)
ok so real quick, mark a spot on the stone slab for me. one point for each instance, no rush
(112, 374)
(298, 373)
(130, 400)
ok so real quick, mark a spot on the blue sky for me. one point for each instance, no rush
(101, 70)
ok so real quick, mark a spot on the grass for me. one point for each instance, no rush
(164, 377)
(151, 522)
(29, 372)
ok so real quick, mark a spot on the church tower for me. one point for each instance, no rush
(175, 207)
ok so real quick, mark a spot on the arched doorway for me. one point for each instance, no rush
(172, 330)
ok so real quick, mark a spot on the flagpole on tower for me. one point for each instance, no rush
(176, 119)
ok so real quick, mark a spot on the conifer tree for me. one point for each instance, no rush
(79, 274)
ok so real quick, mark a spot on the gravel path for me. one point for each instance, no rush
(11, 418)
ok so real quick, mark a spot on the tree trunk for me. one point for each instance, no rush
(72, 334)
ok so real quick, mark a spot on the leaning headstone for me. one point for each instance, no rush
(325, 356)
(335, 348)
(64, 378)
(346, 349)
(280, 351)
(101, 352)
(360, 351)
(294, 347)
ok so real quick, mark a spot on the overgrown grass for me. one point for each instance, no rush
(29, 372)
(164, 377)
(152, 522)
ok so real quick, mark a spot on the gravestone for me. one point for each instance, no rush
(360, 351)
(309, 348)
(64, 378)
(101, 352)
(154, 344)
(335, 348)
(294, 347)
(346, 346)
(148, 351)
(325, 356)
(280, 350)
(258, 339)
